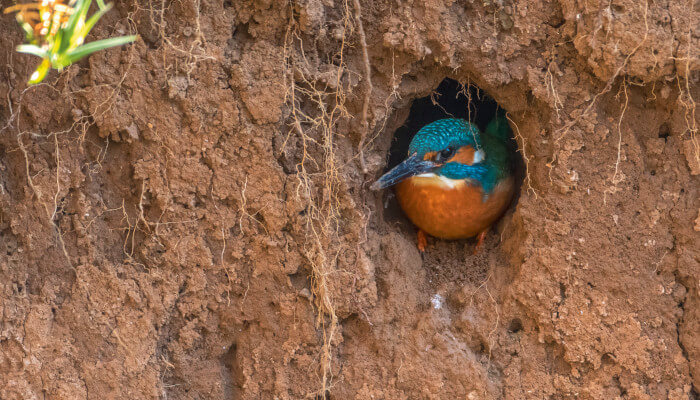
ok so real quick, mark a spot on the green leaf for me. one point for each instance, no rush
(32, 49)
(28, 30)
(56, 41)
(65, 45)
(83, 32)
(81, 9)
(89, 48)
(40, 72)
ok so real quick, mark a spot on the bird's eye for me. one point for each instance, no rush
(445, 154)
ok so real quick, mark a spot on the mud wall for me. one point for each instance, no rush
(189, 217)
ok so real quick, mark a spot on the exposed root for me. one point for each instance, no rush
(130, 231)
(686, 98)
(243, 209)
(616, 178)
(393, 95)
(101, 214)
(522, 148)
(434, 96)
(52, 209)
(491, 336)
(549, 83)
(619, 132)
(315, 111)
(80, 125)
(196, 52)
(367, 82)
(466, 92)
(132, 226)
(562, 132)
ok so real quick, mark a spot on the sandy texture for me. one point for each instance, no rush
(190, 217)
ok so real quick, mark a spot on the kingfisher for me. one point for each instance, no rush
(456, 181)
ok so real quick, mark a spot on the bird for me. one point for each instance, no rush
(456, 181)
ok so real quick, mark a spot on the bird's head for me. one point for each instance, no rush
(443, 148)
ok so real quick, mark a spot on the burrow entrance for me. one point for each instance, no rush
(451, 99)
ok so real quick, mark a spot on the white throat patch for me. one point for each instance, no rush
(443, 181)
(479, 156)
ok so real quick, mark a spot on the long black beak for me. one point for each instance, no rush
(412, 166)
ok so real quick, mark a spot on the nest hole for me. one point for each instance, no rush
(451, 99)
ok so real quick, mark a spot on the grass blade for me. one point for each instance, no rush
(89, 48)
(32, 49)
(74, 21)
(40, 72)
(85, 30)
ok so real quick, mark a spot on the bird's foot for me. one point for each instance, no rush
(422, 240)
(480, 241)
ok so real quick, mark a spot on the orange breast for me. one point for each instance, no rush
(451, 211)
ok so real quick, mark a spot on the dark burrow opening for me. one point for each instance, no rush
(451, 99)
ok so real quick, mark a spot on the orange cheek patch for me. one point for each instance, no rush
(464, 155)
(430, 156)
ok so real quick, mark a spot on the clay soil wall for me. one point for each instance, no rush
(189, 217)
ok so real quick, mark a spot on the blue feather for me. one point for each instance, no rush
(444, 133)
(484, 175)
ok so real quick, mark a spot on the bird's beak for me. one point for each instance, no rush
(412, 166)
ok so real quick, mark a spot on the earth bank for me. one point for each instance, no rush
(190, 216)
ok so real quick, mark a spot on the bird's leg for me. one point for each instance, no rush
(422, 240)
(480, 240)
